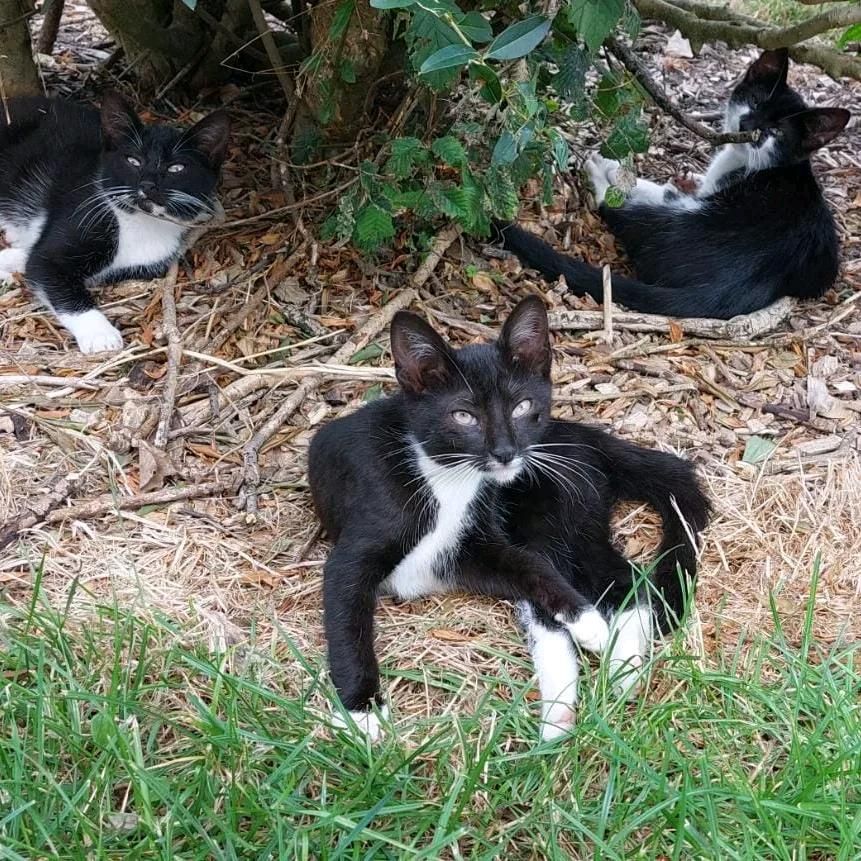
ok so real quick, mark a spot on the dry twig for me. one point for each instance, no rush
(174, 356)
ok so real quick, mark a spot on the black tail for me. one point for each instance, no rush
(669, 484)
(582, 278)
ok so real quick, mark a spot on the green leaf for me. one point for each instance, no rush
(449, 150)
(501, 193)
(519, 39)
(505, 150)
(757, 449)
(407, 154)
(452, 201)
(192, 4)
(372, 351)
(594, 20)
(492, 89)
(614, 197)
(341, 20)
(374, 226)
(348, 72)
(450, 57)
(373, 393)
(631, 21)
(570, 81)
(475, 27)
(561, 152)
(628, 135)
(392, 4)
(103, 730)
(853, 34)
(426, 34)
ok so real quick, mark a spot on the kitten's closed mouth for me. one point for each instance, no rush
(504, 473)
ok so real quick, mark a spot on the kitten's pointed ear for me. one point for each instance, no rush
(422, 359)
(769, 67)
(525, 338)
(119, 122)
(821, 125)
(210, 137)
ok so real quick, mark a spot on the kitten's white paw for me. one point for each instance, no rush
(12, 260)
(92, 331)
(602, 173)
(557, 720)
(368, 724)
(589, 630)
(631, 637)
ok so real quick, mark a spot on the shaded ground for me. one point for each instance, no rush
(257, 296)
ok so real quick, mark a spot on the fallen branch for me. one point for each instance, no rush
(371, 328)
(704, 22)
(271, 48)
(52, 12)
(107, 503)
(638, 71)
(9, 381)
(742, 327)
(39, 509)
(174, 356)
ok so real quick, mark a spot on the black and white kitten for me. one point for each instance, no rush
(89, 197)
(756, 229)
(462, 481)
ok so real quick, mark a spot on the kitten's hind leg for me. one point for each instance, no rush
(631, 634)
(557, 668)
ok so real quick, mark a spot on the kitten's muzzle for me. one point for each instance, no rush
(504, 473)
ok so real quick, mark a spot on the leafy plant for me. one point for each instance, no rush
(511, 78)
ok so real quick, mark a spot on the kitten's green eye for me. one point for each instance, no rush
(521, 409)
(133, 161)
(176, 168)
(462, 417)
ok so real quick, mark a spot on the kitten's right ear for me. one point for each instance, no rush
(821, 125)
(770, 67)
(422, 359)
(119, 122)
(525, 338)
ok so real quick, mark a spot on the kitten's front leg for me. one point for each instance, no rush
(504, 571)
(64, 293)
(350, 579)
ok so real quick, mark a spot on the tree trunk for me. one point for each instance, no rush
(18, 75)
(163, 39)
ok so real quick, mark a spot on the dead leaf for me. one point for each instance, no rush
(448, 636)
(154, 466)
(677, 334)
(678, 46)
(823, 404)
(483, 281)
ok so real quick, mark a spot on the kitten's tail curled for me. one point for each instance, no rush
(584, 279)
(669, 484)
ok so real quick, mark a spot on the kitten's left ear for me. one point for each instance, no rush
(770, 66)
(525, 338)
(210, 137)
(119, 122)
(821, 125)
(423, 360)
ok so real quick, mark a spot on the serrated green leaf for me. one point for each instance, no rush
(407, 154)
(561, 152)
(628, 135)
(374, 226)
(501, 193)
(570, 81)
(372, 351)
(392, 4)
(594, 20)
(519, 39)
(451, 201)
(449, 150)
(505, 150)
(757, 449)
(614, 197)
(450, 57)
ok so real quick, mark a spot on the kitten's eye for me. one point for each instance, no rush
(133, 161)
(521, 409)
(462, 417)
(176, 168)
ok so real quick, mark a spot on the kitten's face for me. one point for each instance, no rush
(481, 407)
(789, 130)
(159, 170)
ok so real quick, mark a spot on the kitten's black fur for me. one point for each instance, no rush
(759, 236)
(538, 528)
(64, 171)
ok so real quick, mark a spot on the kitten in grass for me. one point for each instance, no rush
(95, 197)
(462, 481)
(757, 227)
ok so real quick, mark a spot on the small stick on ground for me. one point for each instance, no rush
(608, 305)
(372, 327)
(41, 508)
(107, 503)
(742, 327)
(174, 356)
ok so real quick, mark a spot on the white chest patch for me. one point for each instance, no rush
(143, 241)
(422, 570)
